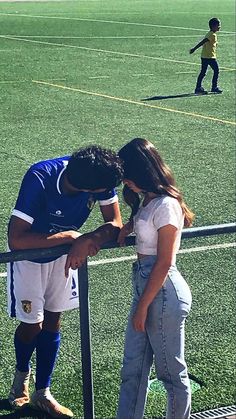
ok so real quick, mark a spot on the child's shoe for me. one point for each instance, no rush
(200, 91)
(19, 393)
(216, 90)
(43, 400)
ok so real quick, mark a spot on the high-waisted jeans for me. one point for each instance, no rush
(163, 340)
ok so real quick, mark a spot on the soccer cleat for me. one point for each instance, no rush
(200, 91)
(43, 400)
(216, 90)
(19, 393)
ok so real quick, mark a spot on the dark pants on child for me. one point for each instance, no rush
(214, 65)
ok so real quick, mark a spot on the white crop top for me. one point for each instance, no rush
(157, 213)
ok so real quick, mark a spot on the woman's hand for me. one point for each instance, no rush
(124, 232)
(139, 318)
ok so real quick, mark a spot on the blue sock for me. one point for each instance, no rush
(23, 353)
(47, 347)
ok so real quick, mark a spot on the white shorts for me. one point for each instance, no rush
(35, 287)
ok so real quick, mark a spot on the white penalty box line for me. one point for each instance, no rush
(105, 51)
(107, 261)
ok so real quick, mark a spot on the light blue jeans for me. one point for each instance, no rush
(163, 341)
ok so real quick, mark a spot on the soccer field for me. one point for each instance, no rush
(74, 73)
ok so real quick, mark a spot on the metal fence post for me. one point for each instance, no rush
(86, 356)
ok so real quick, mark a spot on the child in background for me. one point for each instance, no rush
(208, 57)
(161, 297)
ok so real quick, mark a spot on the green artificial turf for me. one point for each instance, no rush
(108, 82)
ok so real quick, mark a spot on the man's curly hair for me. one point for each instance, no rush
(93, 168)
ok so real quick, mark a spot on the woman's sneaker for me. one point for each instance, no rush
(19, 393)
(43, 400)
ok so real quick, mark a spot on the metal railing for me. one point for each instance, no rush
(31, 254)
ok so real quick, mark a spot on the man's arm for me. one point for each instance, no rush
(113, 223)
(90, 243)
(20, 236)
(200, 44)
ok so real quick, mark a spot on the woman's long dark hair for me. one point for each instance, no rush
(145, 167)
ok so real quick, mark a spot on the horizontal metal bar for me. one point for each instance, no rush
(188, 233)
(32, 254)
(209, 230)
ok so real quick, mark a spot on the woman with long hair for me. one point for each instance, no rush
(161, 297)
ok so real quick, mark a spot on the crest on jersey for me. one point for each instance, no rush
(27, 306)
(90, 203)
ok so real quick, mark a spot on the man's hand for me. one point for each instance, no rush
(82, 247)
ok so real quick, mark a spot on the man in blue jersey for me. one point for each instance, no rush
(55, 199)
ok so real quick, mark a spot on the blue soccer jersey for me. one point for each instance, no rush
(42, 203)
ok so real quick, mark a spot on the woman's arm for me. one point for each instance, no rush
(127, 229)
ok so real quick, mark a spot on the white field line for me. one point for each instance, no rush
(133, 257)
(114, 12)
(137, 13)
(24, 81)
(193, 72)
(83, 37)
(91, 77)
(105, 51)
(99, 77)
(116, 22)
(143, 74)
(186, 72)
(108, 37)
(182, 251)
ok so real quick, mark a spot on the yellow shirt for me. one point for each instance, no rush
(209, 48)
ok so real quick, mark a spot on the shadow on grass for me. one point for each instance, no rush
(173, 96)
(26, 412)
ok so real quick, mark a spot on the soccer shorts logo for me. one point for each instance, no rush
(27, 306)
(74, 288)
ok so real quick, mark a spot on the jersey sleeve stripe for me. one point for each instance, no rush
(23, 216)
(108, 201)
